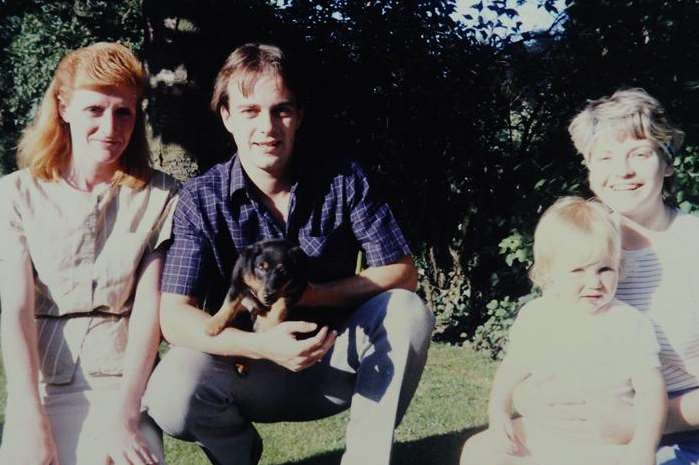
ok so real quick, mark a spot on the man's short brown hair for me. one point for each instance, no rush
(247, 64)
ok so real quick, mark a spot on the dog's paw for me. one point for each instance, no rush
(213, 327)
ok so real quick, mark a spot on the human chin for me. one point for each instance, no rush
(106, 153)
(594, 303)
(271, 153)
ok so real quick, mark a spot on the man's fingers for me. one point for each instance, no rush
(318, 354)
(315, 353)
(320, 343)
(329, 341)
(312, 343)
(298, 326)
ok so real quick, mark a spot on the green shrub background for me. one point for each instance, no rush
(462, 123)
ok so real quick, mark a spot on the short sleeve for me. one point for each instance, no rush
(373, 223)
(164, 231)
(13, 243)
(645, 352)
(189, 252)
(165, 189)
(524, 334)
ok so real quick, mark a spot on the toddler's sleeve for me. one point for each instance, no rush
(523, 334)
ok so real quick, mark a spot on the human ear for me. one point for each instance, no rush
(669, 170)
(62, 109)
(226, 118)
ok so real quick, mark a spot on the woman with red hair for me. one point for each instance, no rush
(81, 225)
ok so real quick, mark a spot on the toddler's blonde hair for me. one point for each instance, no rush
(573, 223)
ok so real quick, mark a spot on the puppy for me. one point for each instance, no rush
(268, 278)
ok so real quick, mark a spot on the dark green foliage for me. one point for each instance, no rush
(462, 124)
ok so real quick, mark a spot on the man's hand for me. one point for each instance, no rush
(280, 345)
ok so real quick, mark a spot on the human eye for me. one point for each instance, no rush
(94, 109)
(606, 269)
(248, 112)
(641, 153)
(124, 112)
(603, 157)
(577, 270)
(285, 111)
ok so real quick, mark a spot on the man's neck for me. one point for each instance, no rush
(274, 189)
(270, 184)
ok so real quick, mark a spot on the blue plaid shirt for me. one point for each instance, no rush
(333, 212)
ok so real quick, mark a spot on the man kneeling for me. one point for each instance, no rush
(366, 334)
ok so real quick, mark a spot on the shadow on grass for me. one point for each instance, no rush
(443, 449)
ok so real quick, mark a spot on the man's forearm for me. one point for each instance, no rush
(183, 324)
(354, 290)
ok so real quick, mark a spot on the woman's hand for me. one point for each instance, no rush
(29, 440)
(123, 442)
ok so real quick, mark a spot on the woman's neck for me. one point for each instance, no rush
(85, 177)
(639, 231)
(655, 217)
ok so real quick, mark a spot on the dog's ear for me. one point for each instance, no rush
(245, 263)
(298, 256)
(237, 282)
(247, 255)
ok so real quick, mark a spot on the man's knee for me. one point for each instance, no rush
(172, 391)
(406, 313)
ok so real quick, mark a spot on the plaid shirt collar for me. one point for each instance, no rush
(239, 179)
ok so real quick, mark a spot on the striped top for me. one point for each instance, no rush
(85, 249)
(662, 282)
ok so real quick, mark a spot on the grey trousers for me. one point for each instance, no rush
(373, 369)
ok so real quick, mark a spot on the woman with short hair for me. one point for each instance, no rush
(628, 144)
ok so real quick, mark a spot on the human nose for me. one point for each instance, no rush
(265, 122)
(108, 123)
(622, 167)
(592, 279)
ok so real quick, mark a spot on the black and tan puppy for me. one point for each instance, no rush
(267, 280)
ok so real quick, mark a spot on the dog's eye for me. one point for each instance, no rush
(262, 266)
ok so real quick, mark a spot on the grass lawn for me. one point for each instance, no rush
(450, 404)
